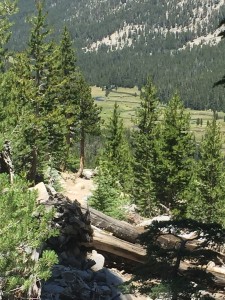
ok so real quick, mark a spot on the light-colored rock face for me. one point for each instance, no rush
(176, 17)
(42, 193)
(116, 24)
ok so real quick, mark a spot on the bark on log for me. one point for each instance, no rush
(120, 229)
(111, 244)
(105, 242)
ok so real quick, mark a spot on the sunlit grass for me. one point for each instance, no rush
(128, 100)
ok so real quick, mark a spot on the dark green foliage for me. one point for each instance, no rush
(175, 148)
(156, 44)
(108, 197)
(164, 259)
(7, 9)
(207, 189)
(144, 150)
(25, 225)
(115, 177)
(116, 153)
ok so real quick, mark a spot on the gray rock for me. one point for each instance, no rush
(105, 290)
(100, 276)
(84, 275)
(99, 259)
(69, 276)
(42, 192)
(88, 173)
(52, 288)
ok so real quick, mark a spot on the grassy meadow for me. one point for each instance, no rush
(128, 100)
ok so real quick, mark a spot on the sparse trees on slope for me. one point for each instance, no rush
(144, 138)
(206, 191)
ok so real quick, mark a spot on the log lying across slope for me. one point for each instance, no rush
(120, 229)
(105, 242)
(121, 239)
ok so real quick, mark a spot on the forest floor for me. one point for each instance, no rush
(76, 188)
(80, 189)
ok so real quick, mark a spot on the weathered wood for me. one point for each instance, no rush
(120, 229)
(105, 242)
(111, 244)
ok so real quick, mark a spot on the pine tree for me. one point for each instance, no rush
(68, 93)
(7, 9)
(88, 119)
(175, 156)
(21, 233)
(40, 54)
(116, 153)
(107, 197)
(144, 150)
(206, 191)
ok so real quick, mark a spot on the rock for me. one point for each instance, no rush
(105, 290)
(51, 189)
(99, 260)
(69, 276)
(100, 276)
(52, 288)
(88, 173)
(43, 195)
(85, 275)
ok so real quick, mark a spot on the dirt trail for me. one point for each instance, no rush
(76, 188)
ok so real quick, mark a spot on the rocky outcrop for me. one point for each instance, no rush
(81, 272)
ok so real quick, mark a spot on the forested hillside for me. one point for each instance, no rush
(120, 42)
(50, 123)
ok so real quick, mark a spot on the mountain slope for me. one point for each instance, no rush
(122, 41)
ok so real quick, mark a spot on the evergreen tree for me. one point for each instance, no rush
(144, 150)
(69, 92)
(88, 119)
(116, 153)
(206, 191)
(107, 197)
(7, 9)
(41, 120)
(25, 225)
(175, 156)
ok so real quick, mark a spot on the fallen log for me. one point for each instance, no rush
(120, 229)
(131, 234)
(106, 242)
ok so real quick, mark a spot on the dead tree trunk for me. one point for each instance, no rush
(6, 165)
(120, 229)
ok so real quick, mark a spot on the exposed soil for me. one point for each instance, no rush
(76, 188)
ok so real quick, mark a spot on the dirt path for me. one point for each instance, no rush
(76, 188)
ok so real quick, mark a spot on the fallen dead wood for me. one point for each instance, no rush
(218, 273)
(106, 242)
(120, 229)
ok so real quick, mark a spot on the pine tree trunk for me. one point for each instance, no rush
(82, 141)
(33, 169)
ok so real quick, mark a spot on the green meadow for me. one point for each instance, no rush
(128, 100)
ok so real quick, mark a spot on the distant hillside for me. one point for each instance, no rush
(122, 41)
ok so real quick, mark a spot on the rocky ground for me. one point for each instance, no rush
(98, 282)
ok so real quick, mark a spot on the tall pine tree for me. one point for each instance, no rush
(144, 137)
(116, 153)
(206, 193)
(175, 149)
